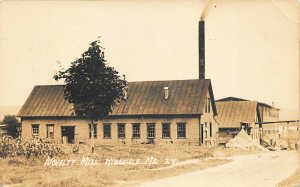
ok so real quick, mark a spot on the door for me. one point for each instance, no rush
(202, 134)
(67, 134)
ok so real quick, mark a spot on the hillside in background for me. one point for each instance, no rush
(8, 110)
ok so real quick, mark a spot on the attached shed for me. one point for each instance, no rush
(163, 112)
(3, 130)
(264, 113)
(233, 115)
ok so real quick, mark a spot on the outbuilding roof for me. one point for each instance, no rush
(240, 99)
(186, 97)
(231, 113)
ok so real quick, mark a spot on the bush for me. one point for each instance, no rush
(14, 162)
(10, 147)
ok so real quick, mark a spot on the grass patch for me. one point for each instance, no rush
(292, 181)
(32, 172)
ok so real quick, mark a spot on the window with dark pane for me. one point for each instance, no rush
(166, 130)
(150, 130)
(181, 130)
(95, 130)
(135, 130)
(107, 130)
(121, 130)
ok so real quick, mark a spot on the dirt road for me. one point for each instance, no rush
(266, 169)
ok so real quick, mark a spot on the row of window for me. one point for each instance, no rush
(36, 130)
(271, 131)
(210, 129)
(136, 130)
(270, 112)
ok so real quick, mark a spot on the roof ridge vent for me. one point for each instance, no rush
(166, 89)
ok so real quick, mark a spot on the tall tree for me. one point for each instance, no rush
(92, 86)
(12, 125)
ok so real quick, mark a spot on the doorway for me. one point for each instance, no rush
(245, 126)
(67, 134)
(202, 134)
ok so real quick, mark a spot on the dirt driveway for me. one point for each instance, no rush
(265, 169)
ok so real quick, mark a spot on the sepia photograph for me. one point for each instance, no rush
(143, 93)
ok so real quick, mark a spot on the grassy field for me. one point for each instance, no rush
(100, 172)
(292, 181)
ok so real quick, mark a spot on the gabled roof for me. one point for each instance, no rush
(231, 99)
(240, 99)
(268, 106)
(186, 97)
(231, 113)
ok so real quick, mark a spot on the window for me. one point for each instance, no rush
(208, 105)
(166, 130)
(210, 129)
(95, 130)
(205, 106)
(107, 130)
(121, 130)
(205, 129)
(150, 130)
(181, 130)
(35, 130)
(135, 130)
(50, 131)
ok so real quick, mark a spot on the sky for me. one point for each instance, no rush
(252, 47)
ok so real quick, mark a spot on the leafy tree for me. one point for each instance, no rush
(10, 119)
(12, 128)
(92, 86)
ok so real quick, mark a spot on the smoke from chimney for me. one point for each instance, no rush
(204, 13)
(205, 10)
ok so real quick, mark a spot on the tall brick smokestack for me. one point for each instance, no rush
(201, 49)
